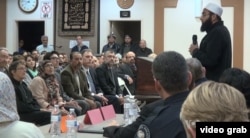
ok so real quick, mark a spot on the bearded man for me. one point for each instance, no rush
(215, 50)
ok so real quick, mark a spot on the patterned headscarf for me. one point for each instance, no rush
(8, 108)
(50, 81)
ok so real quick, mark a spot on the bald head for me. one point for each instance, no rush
(130, 57)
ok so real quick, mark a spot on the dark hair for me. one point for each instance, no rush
(238, 79)
(111, 35)
(127, 36)
(34, 50)
(18, 58)
(26, 58)
(108, 51)
(171, 70)
(48, 55)
(86, 50)
(16, 53)
(13, 67)
(72, 54)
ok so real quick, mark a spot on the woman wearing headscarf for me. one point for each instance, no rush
(45, 87)
(27, 107)
(10, 126)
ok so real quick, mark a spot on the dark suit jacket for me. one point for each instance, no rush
(108, 85)
(124, 69)
(75, 48)
(70, 86)
(94, 78)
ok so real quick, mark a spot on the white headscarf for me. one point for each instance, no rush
(8, 108)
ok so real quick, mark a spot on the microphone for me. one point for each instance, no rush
(194, 38)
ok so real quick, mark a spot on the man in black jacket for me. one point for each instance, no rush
(107, 79)
(215, 51)
(127, 71)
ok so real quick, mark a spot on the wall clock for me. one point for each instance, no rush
(28, 6)
(125, 4)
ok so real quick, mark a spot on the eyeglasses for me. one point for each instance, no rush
(49, 65)
(22, 68)
(54, 58)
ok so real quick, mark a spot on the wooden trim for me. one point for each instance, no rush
(238, 6)
(3, 23)
(238, 51)
(159, 22)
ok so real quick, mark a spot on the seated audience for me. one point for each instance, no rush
(32, 71)
(69, 101)
(74, 81)
(143, 50)
(100, 58)
(239, 79)
(107, 79)
(10, 126)
(95, 62)
(35, 54)
(27, 107)
(197, 70)
(4, 57)
(45, 88)
(90, 74)
(212, 102)
(10, 60)
(127, 71)
(171, 83)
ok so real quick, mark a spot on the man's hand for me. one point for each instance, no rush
(130, 80)
(104, 100)
(192, 48)
(121, 100)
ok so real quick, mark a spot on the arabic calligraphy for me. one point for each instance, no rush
(76, 14)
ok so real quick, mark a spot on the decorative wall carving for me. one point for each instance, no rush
(76, 17)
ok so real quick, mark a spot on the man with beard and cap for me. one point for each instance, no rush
(215, 51)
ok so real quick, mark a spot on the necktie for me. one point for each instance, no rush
(91, 83)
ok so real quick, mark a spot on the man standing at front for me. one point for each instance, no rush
(215, 52)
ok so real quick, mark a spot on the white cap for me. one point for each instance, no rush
(214, 8)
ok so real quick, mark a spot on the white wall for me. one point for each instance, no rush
(142, 10)
(179, 37)
(14, 14)
(246, 43)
